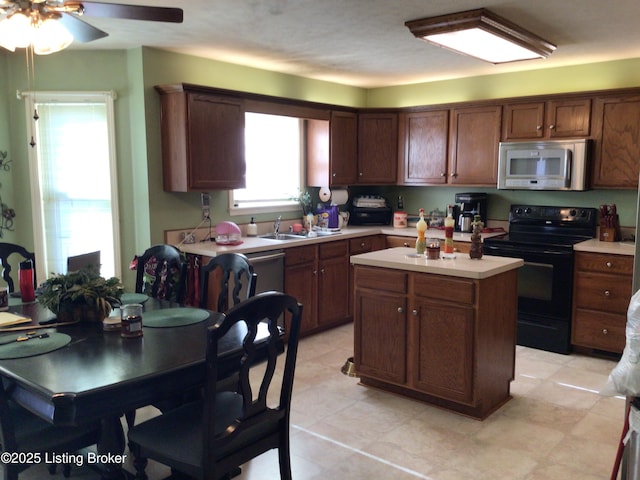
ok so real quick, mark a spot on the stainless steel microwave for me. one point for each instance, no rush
(548, 165)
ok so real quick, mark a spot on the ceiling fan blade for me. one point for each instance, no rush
(81, 30)
(132, 12)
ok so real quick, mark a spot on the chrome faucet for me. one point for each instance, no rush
(276, 226)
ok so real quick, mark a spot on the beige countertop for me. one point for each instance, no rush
(256, 244)
(596, 246)
(403, 258)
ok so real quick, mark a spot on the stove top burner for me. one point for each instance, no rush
(548, 226)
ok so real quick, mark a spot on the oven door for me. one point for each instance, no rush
(545, 289)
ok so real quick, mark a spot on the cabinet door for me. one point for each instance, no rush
(216, 143)
(443, 348)
(377, 148)
(381, 336)
(568, 118)
(343, 148)
(301, 281)
(616, 128)
(426, 137)
(475, 135)
(333, 280)
(523, 120)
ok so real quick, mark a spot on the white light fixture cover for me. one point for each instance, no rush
(45, 33)
(481, 34)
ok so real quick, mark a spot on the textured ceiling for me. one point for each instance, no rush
(365, 43)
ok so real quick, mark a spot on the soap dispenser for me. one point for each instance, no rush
(252, 229)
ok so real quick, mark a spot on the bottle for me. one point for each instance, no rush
(252, 229)
(25, 274)
(476, 239)
(421, 227)
(448, 234)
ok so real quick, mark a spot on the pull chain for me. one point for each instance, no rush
(31, 80)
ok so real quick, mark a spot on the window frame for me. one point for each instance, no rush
(33, 97)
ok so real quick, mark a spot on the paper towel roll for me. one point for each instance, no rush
(324, 194)
(339, 196)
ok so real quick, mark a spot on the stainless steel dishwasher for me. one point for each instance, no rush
(269, 266)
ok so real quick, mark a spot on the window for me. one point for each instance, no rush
(73, 178)
(274, 157)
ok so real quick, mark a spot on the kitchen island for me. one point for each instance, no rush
(440, 331)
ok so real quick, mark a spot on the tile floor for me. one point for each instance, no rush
(557, 426)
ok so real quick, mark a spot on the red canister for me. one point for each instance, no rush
(25, 274)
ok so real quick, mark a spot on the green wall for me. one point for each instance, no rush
(146, 210)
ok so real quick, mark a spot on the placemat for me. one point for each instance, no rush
(32, 347)
(173, 317)
(127, 298)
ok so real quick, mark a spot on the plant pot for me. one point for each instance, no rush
(79, 313)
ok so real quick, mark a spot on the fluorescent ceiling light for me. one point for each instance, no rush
(481, 34)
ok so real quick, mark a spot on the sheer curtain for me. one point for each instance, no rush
(77, 208)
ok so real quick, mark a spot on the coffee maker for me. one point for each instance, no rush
(471, 204)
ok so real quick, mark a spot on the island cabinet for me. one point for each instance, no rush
(442, 339)
(473, 145)
(318, 277)
(202, 140)
(616, 129)
(377, 148)
(602, 289)
(560, 118)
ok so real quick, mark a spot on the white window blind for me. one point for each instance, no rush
(274, 159)
(73, 166)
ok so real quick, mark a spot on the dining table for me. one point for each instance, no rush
(95, 375)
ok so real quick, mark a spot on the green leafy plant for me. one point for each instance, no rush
(83, 287)
(305, 202)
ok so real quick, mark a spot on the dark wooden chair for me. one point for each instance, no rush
(23, 432)
(8, 249)
(161, 273)
(209, 438)
(229, 266)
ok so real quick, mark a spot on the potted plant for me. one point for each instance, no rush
(81, 295)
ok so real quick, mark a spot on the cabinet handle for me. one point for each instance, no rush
(400, 310)
(362, 245)
(443, 174)
(551, 127)
(609, 264)
(315, 272)
(322, 271)
(406, 244)
(454, 175)
(414, 312)
(605, 331)
(538, 127)
(607, 293)
(333, 174)
(360, 174)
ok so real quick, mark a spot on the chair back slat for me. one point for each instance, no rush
(230, 266)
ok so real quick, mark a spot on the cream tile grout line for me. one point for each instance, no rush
(360, 452)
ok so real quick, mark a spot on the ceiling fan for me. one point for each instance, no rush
(69, 13)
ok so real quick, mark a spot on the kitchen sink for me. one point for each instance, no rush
(282, 236)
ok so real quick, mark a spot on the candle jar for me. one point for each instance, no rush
(131, 318)
(433, 249)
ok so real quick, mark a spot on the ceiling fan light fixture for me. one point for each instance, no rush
(481, 34)
(19, 29)
(50, 36)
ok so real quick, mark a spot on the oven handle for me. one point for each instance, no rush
(520, 251)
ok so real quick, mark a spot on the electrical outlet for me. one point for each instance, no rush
(205, 200)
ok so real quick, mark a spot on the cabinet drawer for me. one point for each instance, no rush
(381, 279)
(439, 287)
(597, 291)
(604, 263)
(362, 245)
(400, 241)
(603, 331)
(298, 255)
(333, 249)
